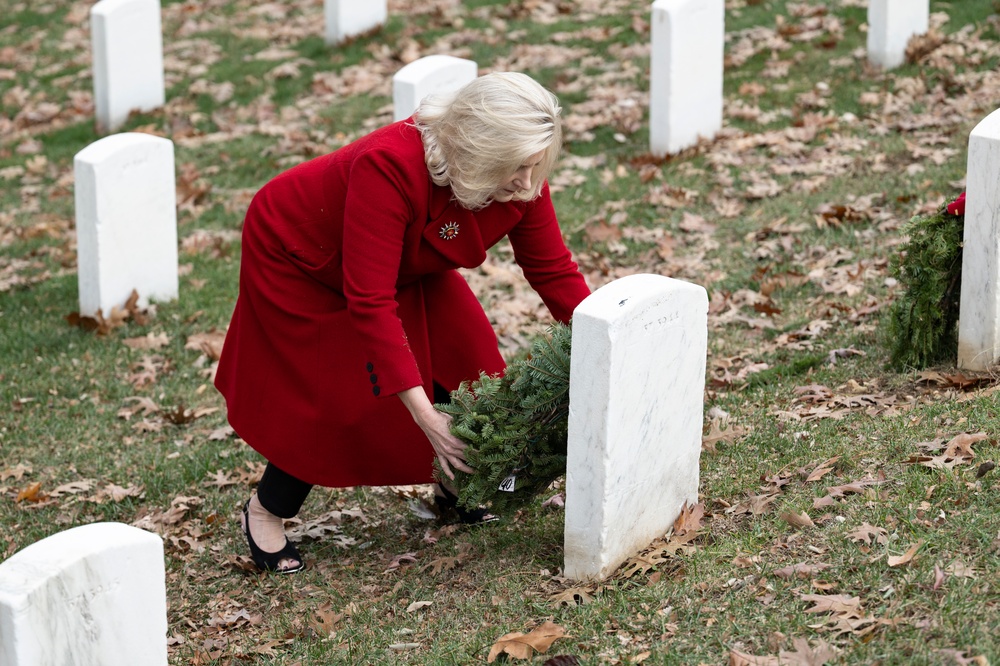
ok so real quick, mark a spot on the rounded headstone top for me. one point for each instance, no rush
(32, 565)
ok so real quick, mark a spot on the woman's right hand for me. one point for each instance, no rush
(436, 425)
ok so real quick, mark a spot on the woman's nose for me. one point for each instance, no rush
(523, 179)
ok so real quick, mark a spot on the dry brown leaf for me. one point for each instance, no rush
(802, 570)
(938, 578)
(832, 603)
(797, 519)
(399, 560)
(958, 658)
(717, 433)
(756, 505)
(148, 341)
(15, 472)
(324, 619)
(31, 493)
(740, 658)
(223, 433)
(960, 445)
(905, 558)
(523, 646)
(803, 655)
(116, 493)
(441, 564)
(209, 343)
(934, 462)
(574, 596)
(689, 519)
(72, 488)
(868, 532)
(822, 469)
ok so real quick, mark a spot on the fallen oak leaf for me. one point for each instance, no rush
(905, 558)
(832, 603)
(441, 564)
(223, 433)
(801, 570)
(209, 343)
(325, 619)
(148, 341)
(867, 532)
(804, 655)
(574, 596)
(140, 404)
(689, 519)
(938, 578)
(31, 493)
(116, 493)
(15, 472)
(935, 462)
(268, 648)
(960, 446)
(72, 488)
(717, 433)
(797, 519)
(399, 560)
(822, 469)
(740, 658)
(523, 646)
(242, 563)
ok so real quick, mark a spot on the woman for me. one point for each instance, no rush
(351, 316)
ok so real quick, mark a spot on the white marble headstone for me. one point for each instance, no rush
(90, 596)
(349, 18)
(637, 382)
(891, 24)
(126, 221)
(979, 315)
(428, 75)
(685, 73)
(128, 59)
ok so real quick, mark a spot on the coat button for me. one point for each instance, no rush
(374, 379)
(369, 367)
(376, 390)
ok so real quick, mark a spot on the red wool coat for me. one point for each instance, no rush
(349, 294)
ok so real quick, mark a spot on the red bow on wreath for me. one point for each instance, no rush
(957, 207)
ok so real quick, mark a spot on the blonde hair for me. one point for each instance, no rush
(476, 138)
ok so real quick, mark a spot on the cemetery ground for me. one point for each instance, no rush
(848, 511)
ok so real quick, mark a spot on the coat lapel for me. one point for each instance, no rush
(452, 230)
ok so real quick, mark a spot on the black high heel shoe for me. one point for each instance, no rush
(269, 561)
(449, 501)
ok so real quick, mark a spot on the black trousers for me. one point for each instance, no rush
(283, 495)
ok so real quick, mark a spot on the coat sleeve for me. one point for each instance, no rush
(547, 264)
(377, 210)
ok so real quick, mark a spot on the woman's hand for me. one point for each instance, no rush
(436, 425)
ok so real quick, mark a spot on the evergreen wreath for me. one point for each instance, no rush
(515, 426)
(922, 326)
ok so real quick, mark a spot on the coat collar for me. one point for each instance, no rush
(452, 230)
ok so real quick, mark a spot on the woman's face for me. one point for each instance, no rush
(521, 180)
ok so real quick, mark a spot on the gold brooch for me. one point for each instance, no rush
(449, 231)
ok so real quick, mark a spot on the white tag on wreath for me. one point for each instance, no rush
(507, 485)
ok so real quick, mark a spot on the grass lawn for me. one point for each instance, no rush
(847, 510)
